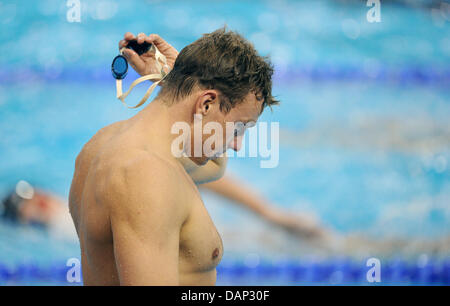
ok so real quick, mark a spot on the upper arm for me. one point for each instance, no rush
(145, 222)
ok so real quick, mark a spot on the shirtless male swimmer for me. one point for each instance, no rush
(136, 207)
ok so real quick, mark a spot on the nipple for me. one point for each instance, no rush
(215, 253)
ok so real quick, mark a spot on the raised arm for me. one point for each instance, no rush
(145, 222)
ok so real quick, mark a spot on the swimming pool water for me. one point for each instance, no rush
(364, 129)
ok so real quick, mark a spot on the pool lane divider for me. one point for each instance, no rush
(342, 271)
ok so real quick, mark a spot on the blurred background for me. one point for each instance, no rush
(364, 131)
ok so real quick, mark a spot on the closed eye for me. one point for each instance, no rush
(250, 124)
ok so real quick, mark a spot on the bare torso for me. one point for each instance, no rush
(200, 246)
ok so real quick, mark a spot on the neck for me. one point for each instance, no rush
(157, 119)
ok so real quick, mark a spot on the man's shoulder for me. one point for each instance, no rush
(138, 175)
(96, 144)
(134, 165)
(143, 184)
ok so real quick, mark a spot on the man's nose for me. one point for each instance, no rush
(236, 143)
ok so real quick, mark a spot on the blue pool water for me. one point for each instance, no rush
(364, 128)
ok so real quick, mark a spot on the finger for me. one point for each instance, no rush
(141, 38)
(129, 36)
(135, 61)
(122, 43)
(126, 38)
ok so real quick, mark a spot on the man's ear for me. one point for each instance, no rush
(207, 100)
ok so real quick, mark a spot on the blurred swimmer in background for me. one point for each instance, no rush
(26, 205)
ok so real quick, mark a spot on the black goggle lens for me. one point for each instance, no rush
(119, 67)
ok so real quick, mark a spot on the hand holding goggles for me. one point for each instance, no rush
(119, 69)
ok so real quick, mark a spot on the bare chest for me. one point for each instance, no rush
(201, 247)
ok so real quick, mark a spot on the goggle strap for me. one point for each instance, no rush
(121, 96)
(118, 88)
(159, 57)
